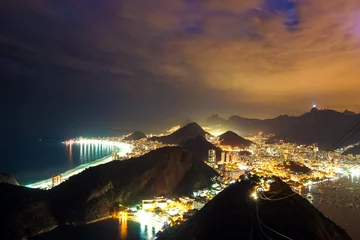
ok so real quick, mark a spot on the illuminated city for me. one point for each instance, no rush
(180, 120)
(301, 166)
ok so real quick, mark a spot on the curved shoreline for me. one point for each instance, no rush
(123, 148)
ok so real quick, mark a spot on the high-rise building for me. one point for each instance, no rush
(56, 180)
(212, 156)
(223, 156)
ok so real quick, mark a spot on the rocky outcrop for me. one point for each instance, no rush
(233, 214)
(98, 191)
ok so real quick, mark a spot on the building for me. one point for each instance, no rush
(228, 157)
(158, 202)
(212, 156)
(223, 156)
(56, 180)
(115, 156)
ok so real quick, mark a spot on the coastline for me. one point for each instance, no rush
(43, 184)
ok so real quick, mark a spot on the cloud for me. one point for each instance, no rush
(229, 54)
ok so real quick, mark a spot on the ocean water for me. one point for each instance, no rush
(34, 160)
(110, 229)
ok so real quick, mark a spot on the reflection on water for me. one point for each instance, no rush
(340, 201)
(90, 151)
(123, 228)
(145, 231)
(109, 229)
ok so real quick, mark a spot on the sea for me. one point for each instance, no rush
(32, 159)
(36, 160)
(112, 229)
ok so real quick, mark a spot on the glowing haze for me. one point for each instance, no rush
(183, 57)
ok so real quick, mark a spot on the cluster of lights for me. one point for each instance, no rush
(355, 172)
(254, 195)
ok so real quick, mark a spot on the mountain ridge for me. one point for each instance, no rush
(97, 192)
(319, 126)
(233, 214)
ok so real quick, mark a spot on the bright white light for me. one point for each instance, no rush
(314, 105)
(355, 172)
(242, 167)
(254, 195)
(143, 216)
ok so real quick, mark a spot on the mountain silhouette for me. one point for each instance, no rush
(97, 192)
(233, 214)
(323, 127)
(230, 138)
(199, 147)
(191, 130)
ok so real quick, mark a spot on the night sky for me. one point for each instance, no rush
(119, 63)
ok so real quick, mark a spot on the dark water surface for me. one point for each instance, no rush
(109, 229)
(31, 161)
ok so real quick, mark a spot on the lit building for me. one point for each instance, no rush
(212, 156)
(223, 156)
(56, 180)
(158, 202)
(228, 157)
(115, 156)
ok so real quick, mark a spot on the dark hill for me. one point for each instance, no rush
(355, 151)
(296, 167)
(230, 138)
(98, 191)
(199, 148)
(347, 112)
(7, 178)
(135, 136)
(323, 127)
(232, 214)
(191, 130)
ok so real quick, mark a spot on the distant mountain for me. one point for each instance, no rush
(355, 151)
(135, 136)
(233, 214)
(7, 178)
(191, 130)
(323, 127)
(98, 191)
(215, 119)
(230, 138)
(347, 112)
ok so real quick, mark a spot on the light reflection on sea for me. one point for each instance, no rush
(340, 201)
(111, 229)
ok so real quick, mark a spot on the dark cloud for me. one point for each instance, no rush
(118, 61)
